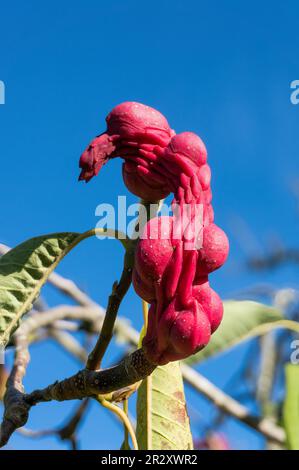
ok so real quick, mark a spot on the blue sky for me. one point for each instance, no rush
(220, 69)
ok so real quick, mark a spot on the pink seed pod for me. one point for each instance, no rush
(204, 174)
(179, 333)
(155, 249)
(179, 324)
(210, 302)
(143, 287)
(214, 251)
(143, 183)
(184, 311)
(171, 270)
(130, 125)
(188, 145)
(152, 256)
(191, 331)
(138, 123)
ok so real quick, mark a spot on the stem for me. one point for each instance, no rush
(145, 314)
(117, 234)
(119, 290)
(123, 417)
(85, 383)
(126, 432)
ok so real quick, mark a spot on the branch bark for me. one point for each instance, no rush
(85, 383)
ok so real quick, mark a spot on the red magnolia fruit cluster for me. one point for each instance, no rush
(171, 267)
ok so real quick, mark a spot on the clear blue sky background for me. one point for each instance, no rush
(220, 69)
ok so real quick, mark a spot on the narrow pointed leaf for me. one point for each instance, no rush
(241, 321)
(162, 419)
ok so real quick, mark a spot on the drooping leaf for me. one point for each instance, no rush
(23, 272)
(291, 406)
(162, 419)
(241, 320)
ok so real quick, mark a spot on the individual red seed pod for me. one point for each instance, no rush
(214, 251)
(190, 146)
(138, 123)
(152, 257)
(156, 250)
(130, 125)
(144, 288)
(143, 185)
(191, 331)
(180, 333)
(210, 302)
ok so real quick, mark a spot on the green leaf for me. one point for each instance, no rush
(23, 272)
(162, 419)
(291, 406)
(26, 268)
(241, 321)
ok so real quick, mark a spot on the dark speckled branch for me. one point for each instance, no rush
(86, 383)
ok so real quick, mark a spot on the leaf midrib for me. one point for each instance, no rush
(26, 305)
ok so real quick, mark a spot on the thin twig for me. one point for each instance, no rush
(85, 383)
(276, 258)
(229, 405)
(123, 417)
(66, 432)
(69, 343)
(119, 290)
(70, 289)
